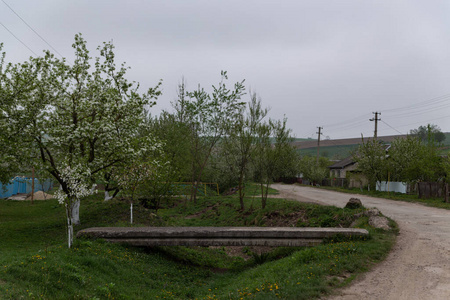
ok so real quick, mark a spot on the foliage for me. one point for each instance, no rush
(175, 135)
(273, 161)
(239, 144)
(429, 133)
(371, 159)
(208, 117)
(313, 172)
(446, 168)
(286, 158)
(412, 160)
(82, 115)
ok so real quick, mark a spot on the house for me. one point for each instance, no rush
(345, 173)
(340, 169)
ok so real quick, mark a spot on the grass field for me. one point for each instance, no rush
(36, 264)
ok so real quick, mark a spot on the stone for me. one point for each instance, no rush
(372, 212)
(354, 203)
(379, 222)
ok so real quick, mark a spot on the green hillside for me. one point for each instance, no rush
(342, 150)
(332, 152)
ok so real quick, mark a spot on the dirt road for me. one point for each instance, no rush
(419, 265)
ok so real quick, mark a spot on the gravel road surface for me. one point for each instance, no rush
(419, 265)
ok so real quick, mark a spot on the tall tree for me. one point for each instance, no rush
(208, 117)
(273, 160)
(311, 170)
(429, 133)
(76, 120)
(371, 159)
(411, 160)
(239, 144)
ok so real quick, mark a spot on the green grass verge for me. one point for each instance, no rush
(433, 202)
(36, 264)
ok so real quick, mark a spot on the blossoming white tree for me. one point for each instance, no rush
(74, 120)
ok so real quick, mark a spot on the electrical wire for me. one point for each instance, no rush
(425, 121)
(18, 38)
(391, 127)
(31, 29)
(439, 99)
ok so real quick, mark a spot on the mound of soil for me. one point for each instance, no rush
(39, 196)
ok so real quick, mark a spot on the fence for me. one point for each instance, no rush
(392, 186)
(22, 185)
(430, 189)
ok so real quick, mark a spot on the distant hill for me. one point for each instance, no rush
(341, 148)
(353, 141)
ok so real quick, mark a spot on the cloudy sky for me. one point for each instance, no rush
(328, 63)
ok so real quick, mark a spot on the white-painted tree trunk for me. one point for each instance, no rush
(69, 233)
(131, 213)
(75, 215)
(93, 188)
(107, 196)
(69, 225)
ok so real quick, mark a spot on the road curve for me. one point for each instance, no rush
(419, 265)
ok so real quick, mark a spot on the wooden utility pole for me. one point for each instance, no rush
(318, 144)
(376, 123)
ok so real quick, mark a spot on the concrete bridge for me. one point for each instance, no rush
(219, 236)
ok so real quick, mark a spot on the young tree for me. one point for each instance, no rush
(264, 157)
(404, 156)
(273, 160)
(73, 119)
(286, 156)
(313, 172)
(208, 117)
(371, 159)
(239, 144)
(137, 173)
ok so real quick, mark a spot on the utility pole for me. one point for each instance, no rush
(318, 144)
(376, 123)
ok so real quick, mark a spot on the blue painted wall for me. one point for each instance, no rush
(22, 185)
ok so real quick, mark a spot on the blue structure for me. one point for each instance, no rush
(22, 185)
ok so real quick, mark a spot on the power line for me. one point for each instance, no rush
(426, 121)
(391, 126)
(17, 38)
(31, 29)
(416, 111)
(439, 99)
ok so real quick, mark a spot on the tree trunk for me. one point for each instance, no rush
(69, 216)
(107, 196)
(69, 233)
(75, 212)
(131, 213)
(241, 191)
(446, 192)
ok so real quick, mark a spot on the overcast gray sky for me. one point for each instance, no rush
(322, 63)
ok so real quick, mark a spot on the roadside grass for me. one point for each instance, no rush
(432, 202)
(36, 264)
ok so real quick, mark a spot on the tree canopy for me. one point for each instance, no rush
(429, 133)
(74, 119)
